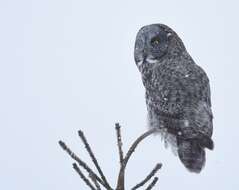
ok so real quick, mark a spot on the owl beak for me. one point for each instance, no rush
(144, 54)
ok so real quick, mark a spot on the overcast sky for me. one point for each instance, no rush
(68, 65)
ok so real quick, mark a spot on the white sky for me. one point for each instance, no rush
(68, 65)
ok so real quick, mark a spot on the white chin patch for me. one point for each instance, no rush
(140, 63)
(151, 60)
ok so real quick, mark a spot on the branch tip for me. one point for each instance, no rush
(62, 144)
(80, 133)
(119, 143)
(93, 158)
(149, 176)
(117, 125)
(152, 184)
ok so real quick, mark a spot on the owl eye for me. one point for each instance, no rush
(155, 41)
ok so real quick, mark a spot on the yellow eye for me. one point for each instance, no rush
(155, 41)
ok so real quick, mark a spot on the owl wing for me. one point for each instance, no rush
(197, 109)
(182, 91)
(198, 84)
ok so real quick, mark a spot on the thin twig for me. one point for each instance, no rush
(97, 185)
(119, 143)
(151, 174)
(77, 169)
(135, 144)
(120, 183)
(152, 184)
(96, 180)
(81, 163)
(87, 146)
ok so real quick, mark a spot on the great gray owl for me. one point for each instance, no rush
(177, 93)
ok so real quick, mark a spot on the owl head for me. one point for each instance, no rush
(155, 42)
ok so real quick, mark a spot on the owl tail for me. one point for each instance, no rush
(191, 154)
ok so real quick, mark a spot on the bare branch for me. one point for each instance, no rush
(80, 162)
(152, 184)
(95, 182)
(77, 169)
(135, 144)
(151, 174)
(120, 183)
(87, 146)
(97, 185)
(119, 143)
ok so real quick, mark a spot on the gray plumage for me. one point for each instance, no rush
(177, 93)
